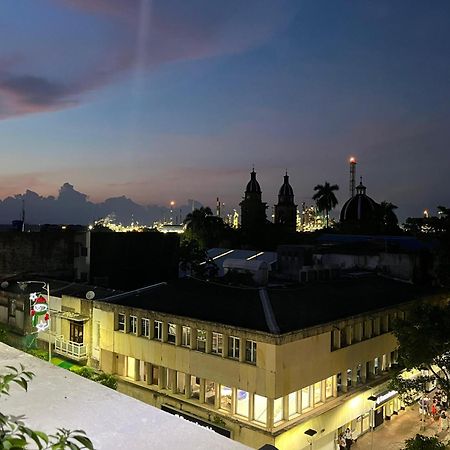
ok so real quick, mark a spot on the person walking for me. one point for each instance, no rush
(348, 438)
(342, 442)
(444, 421)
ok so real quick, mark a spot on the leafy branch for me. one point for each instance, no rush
(15, 435)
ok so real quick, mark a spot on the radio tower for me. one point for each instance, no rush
(352, 176)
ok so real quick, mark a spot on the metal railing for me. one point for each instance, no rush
(70, 348)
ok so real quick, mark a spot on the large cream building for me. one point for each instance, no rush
(260, 365)
(279, 366)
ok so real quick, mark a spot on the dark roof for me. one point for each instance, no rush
(281, 310)
(57, 287)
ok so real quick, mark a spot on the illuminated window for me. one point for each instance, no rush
(329, 387)
(250, 351)
(121, 322)
(157, 329)
(233, 347)
(133, 325)
(201, 340)
(171, 333)
(306, 400)
(186, 337)
(243, 403)
(278, 410)
(293, 404)
(210, 392)
(195, 387)
(217, 343)
(225, 398)
(317, 393)
(145, 327)
(260, 408)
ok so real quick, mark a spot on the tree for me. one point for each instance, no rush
(387, 217)
(15, 435)
(424, 348)
(204, 227)
(191, 256)
(420, 442)
(325, 198)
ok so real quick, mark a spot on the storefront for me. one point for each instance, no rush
(387, 405)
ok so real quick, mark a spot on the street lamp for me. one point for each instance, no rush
(311, 433)
(372, 398)
(39, 310)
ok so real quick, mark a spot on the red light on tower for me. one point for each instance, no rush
(352, 160)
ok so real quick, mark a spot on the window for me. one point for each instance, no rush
(121, 322)
(317, 393)
(242, 406)
(133, 325)
(186, 337)
(292, 404)
(210, 392)
(233, 347)
(306, 401)
(171, 333)
(145, 327)
(225, 398)
(329, 387)
(195, 387)
(201, 340)
(250, 352)
(260, 409)
(157, 328)
(278, 410)
(217, 343)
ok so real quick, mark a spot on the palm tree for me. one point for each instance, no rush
(325, 198)
(388, 218)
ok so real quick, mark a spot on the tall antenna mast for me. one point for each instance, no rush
(352, 162)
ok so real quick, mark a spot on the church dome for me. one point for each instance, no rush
(360, 208)
(253, 185)
(286, 193)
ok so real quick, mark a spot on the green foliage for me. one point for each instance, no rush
(105, 379)
(218, 421)
(39, 353)
(325, 198)
(420, 442)
(191, 256)
(3, 334)
(208, 230)
(15, 435)
(424, 343)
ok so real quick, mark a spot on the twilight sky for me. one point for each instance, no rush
(176, 99)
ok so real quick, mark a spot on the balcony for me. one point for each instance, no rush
(70, 349)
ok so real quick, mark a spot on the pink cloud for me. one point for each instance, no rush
(139, 35)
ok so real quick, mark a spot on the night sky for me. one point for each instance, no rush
(175, 99)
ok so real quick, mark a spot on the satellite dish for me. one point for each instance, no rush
(90, 295)
(4, 284)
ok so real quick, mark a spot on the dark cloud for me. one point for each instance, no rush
(33, 92)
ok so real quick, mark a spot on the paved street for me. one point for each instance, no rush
(392, 434)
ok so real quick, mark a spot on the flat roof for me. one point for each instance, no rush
(57, 398)
(273, 310)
